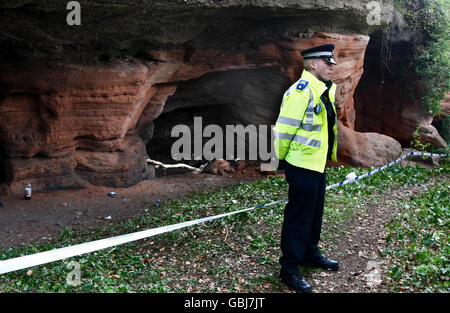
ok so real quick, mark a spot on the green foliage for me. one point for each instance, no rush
(215, 256)
(429, 21)
(419, 242)
(416, 143)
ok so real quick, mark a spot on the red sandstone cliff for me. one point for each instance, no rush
(65, 123)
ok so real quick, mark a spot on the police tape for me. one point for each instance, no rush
(40, 258)
(58, 254)
(412, 153)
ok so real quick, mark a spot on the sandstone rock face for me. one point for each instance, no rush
(366, 149)
(89, 124)
(84, 104)
(126, 28)
(442, 121)
(218, 167)
(64, 126)
(387, 100)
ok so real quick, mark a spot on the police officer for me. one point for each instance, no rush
(305, 137)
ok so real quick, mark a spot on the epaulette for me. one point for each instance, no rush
(302, 84)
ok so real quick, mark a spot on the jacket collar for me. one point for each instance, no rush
(317, 84)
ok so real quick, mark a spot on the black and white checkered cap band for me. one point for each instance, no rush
(320, 54)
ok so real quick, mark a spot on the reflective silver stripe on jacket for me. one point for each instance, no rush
(283, 135)
(298, 138)
(311, 128)
(289, 121)
(308, 126)
(298, 123)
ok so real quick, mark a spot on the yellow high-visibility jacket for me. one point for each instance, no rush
(301, 130)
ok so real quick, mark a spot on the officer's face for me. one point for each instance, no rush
(323, 69)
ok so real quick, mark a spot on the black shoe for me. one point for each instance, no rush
(323, 262)
(296, 282)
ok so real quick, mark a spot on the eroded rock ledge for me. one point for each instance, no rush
(64, 126)
(78, 105)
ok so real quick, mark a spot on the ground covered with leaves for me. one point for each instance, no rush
(389, 232)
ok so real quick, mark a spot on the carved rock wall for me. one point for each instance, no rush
(83, 105)
(65, 126)
(387, 98)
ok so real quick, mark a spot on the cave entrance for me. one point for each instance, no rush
(235, 97)
(160, 146)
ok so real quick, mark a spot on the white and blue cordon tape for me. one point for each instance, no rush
(40, 258)
(412, 153)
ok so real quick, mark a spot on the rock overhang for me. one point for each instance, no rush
(126, 60)
(115, 29)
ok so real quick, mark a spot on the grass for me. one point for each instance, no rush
(418, 241)
(240, 253)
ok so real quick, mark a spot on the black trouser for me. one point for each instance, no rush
(303, 214)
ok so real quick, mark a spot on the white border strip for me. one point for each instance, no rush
(71, 251)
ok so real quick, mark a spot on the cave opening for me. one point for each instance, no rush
(247, 99)
(385, 93)
(160, 146)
